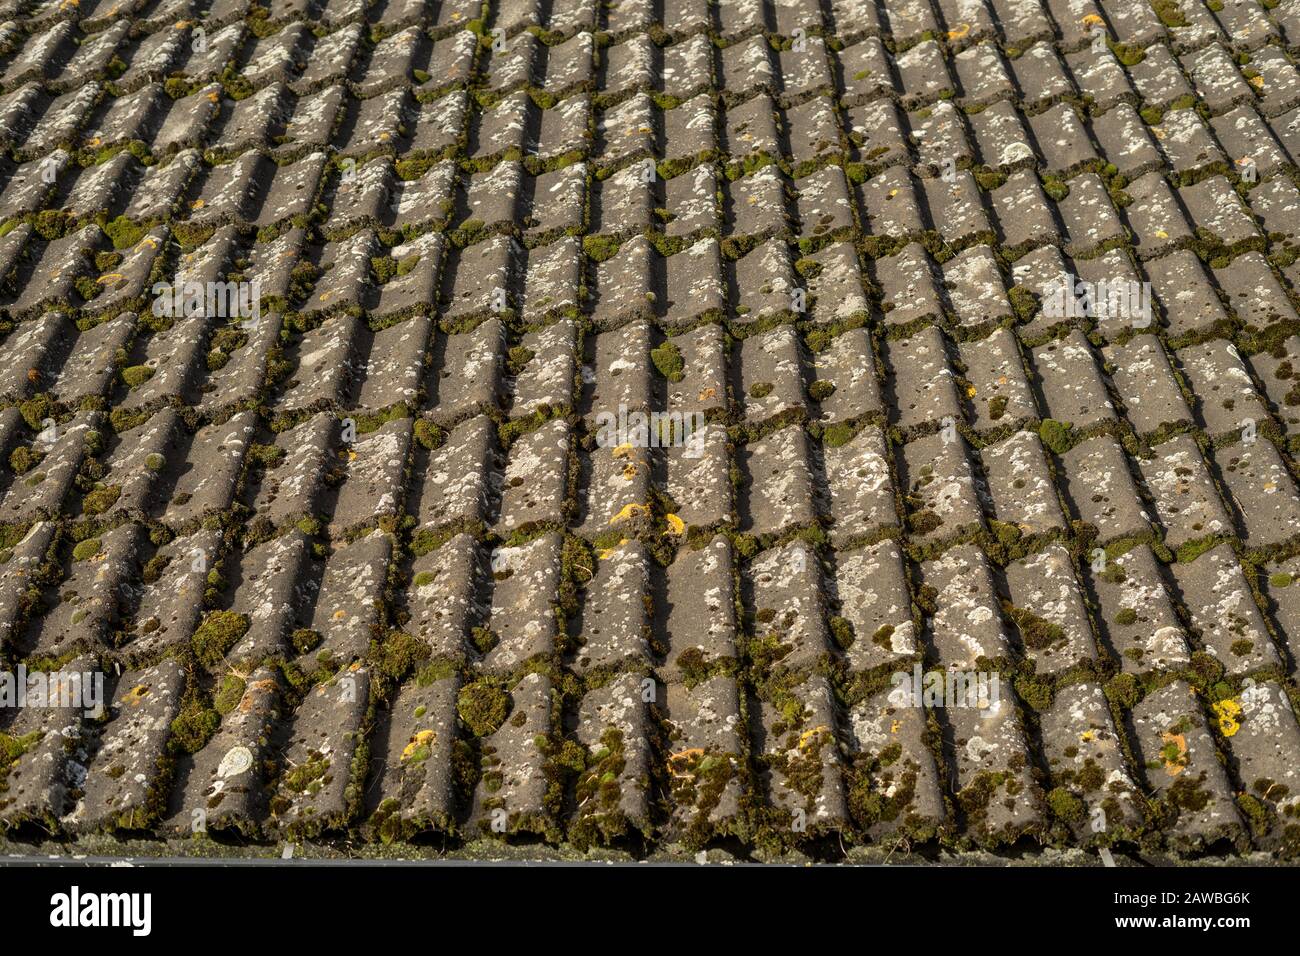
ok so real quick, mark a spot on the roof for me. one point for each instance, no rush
(441, 423)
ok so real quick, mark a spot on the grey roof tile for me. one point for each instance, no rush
(1098, 484)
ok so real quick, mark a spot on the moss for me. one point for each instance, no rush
(483, 638)
(821, 390)
(136, 375)
(35, 410)
(85, 550)
(400, 654)
(1023, 302)
(435, 671)
(99, 500)
(1127, 616)
(1124, 690)
(1037, 632)
(1055, 187)
(1191, 550)
(22, 459)
(1066, 807)
(1127, 53)
(1055, 435)
(842, 631)
(178, 89)
(1170, 12)
(429, 435)
(694, 665)
(409, 169)
(50, 224)
(997, 407)
(305, 640)
(426, 540)
(86, 287)
(371, 423)
(386, 268)
(124, 233)
(1256, 813)
(598, 793)
(483, 706)
(1279, 579)
(193, 728)
(667, 359)
(154, 461)
(217, 634)
(923, 522)
(518, 358)
(230, 693)
(265, 456)
(154, 568)
(838, 434)
(301, 778)
(760, 389)
(819, 340)
(989, 179)
(1206, 670)
(600, 248)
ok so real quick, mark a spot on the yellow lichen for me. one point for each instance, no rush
(679, 762)
(629, 511)
(1174, 753)
(1228, 712)
(604, 553)
(809, 736)
(419, 740)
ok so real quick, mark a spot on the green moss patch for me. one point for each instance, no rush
(136, 375)
(99, 500)
(667, 359)
(821, 390)
(483, 706)
(217, 634)
(124, 233)
(85, 550)
(1056, 435)
(600, 248)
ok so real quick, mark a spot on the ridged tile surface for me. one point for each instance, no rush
(364, 569)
